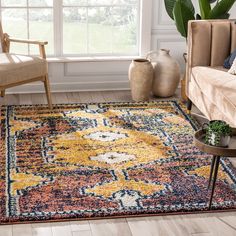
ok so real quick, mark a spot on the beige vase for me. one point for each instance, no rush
(166, 73)
(141, 77)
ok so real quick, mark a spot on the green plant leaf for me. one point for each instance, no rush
(221, 8)
(182, 14)
(205, 8)
(169, 4)
(189, 5)
(224, 16)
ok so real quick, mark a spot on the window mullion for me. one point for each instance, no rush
(1, 10)
(113, 25)
(28, 27)
(58, 27)
(87, 25)
(145, 27)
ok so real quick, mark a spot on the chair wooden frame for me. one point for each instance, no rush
(5, 42)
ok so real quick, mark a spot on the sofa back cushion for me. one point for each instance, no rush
(220, 42)
(211, 42)
(233, 36)
(199, 43)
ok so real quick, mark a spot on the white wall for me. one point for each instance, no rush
(113, 74)
(164, 34)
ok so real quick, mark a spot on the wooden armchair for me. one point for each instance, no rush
(21, 69)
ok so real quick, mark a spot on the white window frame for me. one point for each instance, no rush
(145, 27)
(144, 39)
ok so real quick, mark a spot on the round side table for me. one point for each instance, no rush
(217, 153)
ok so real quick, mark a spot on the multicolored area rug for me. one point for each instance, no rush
(105, 160)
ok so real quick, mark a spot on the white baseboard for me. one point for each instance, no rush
(70, 87)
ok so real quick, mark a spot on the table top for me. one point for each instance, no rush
(230, 151)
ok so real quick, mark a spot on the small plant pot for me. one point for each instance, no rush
(218, 133)
(222, 142)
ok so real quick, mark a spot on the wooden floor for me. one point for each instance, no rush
(217, 224)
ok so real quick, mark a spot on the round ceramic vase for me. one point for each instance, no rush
(141, 78)
(166, 74)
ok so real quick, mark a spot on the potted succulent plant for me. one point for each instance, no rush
(218, 133)
(181, 11)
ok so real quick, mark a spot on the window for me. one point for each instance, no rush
(75, 27)
(28, 19)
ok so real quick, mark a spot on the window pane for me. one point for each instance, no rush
(74, 2)
(41, 3)
(75, 30)
(123, 2)
(41, 28)
(100, 30)
(108, 29)
(125, 21)
(8, 3)
(100, 2)
(15, 24)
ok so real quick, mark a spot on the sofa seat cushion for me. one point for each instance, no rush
(219, 87)
(221, 68)
(18, 68)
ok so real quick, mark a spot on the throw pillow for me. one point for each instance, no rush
(233, 68)
(229, 60)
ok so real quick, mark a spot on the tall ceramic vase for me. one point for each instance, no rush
(166, 73)
(141, 77)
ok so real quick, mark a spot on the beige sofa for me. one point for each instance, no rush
(208, 85)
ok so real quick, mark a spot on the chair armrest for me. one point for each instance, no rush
(41, 44)
(27, 41)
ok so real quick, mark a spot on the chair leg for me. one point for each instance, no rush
(2, 93)
(48, 93)
(189, 106)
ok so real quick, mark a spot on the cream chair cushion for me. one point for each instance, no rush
(18, 68)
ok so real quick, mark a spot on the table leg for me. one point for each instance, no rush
(215, 173)
(212, 169)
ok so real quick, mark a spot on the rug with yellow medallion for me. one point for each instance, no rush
(104, 160)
